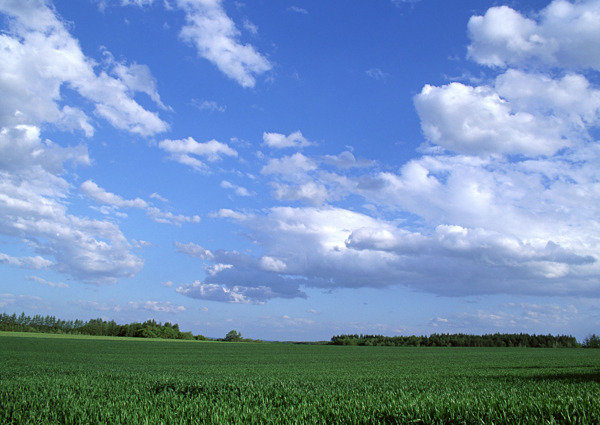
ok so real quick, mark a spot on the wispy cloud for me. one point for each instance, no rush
(377, 74)
(297, 9)
(216, 38)
(114, 201)
(47, 283)
(208, 105)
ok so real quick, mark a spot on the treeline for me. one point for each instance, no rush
(98, 327)
(460, 340)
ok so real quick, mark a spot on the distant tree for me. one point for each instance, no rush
(591, 341)
(233, 336)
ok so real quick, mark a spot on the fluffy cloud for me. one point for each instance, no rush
(238, 278)
(333, 248)
(279, 141)
(216, 38)
(291, 166)
(309, 193)
(522, 113)
(476, 120)
(39, 57)
(32, 208)
(185, 150)
(563, 34)
(502, 200)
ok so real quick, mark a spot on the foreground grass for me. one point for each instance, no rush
(51, 380)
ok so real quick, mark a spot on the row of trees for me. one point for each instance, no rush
(100, 327)
(461, 340)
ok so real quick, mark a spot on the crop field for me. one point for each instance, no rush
(73, 380)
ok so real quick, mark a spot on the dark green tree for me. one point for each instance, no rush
(233, 336)
(591, 341)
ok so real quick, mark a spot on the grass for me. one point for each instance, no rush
(75, 380)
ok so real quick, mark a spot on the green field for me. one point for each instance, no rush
(51, 379)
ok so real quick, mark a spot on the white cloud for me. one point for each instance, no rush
(168, 217)
(156, 306)
(194, 250)
(183, 149)
(512, 317)
(139, 3)
(310, 193)
(9, 299)
(272, 264)
(298, 9)
(333, 248)
(21, 148)
(280, 141)
(217, 39)
(213, 292)
(477, 121)
(208, 105)
(292, 166)
(238, 190)
(159, 197)
(102, 196)
(346, 160)
(137, 78)
(32, 209)
(39, 58)
(377, 74)
(564, 34)
(36, 262)
(47, 283)
(571, 101)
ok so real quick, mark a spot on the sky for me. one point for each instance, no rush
(296, 170)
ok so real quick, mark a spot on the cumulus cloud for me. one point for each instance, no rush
(294, 165)
(331, 247)
(502, 200)
(235, 277)
(216, 39)
(280, 141)
(40, 61)
(563, 34)
(32, 208)
(40, 57)
(477, 121)
(310, 193)
(186, 150)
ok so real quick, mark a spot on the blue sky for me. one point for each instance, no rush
(297, 170)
